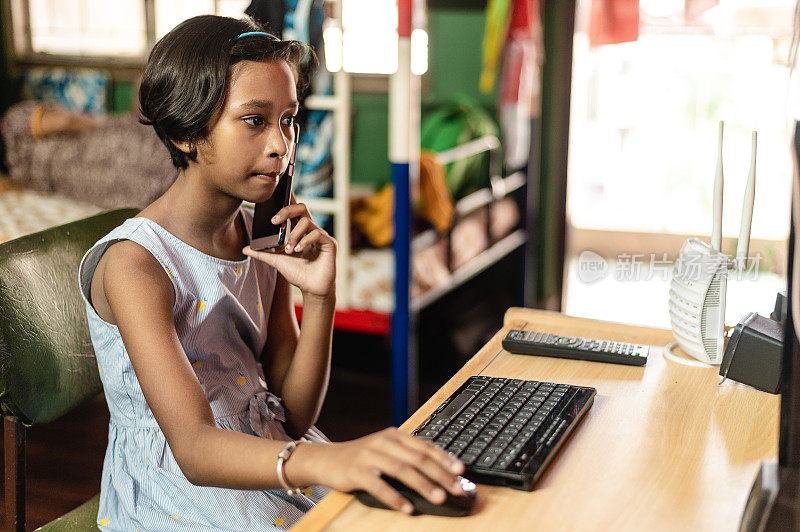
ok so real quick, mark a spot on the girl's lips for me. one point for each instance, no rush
(270, 178)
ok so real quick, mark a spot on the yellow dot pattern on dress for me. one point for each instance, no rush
(201, 305)
(99, 369)
(167, 270)
(241, 380)
(175, 517)
(104, 521)
(279, 521)
(259, 306)
(238, 270)
(198, 364)
(308, 492)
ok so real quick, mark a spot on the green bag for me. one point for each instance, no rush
(456, 123)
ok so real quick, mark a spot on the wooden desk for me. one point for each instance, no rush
(662, 448)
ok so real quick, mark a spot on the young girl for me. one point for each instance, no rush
(206, 374)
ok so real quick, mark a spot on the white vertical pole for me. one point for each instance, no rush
(341, 174)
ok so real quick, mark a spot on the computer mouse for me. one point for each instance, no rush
(453, 506)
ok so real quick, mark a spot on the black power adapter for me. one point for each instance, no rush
(781, 307)
(754, 354)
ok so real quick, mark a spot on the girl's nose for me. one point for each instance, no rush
(277, 144)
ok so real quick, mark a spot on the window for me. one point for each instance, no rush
(645, 115)
(103, 29)
(119, 29)
(643, 152)
(86, 27)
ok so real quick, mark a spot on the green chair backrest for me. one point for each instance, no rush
(47, 364)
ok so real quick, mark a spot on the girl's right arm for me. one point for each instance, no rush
(135, 293)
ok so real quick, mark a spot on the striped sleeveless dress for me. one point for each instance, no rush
(221, 321)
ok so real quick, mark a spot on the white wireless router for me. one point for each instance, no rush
(700, 278)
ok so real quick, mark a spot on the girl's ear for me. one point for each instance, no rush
(186, 147)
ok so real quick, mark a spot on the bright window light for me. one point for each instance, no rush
(87, 27)
(369, 36)
(419, 51)
(662, 8)
(367, 42)
(170, 13)
(644, 122)
(332, 36)
(232, 8)
(103, 28)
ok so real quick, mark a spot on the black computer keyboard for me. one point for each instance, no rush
(506, 431)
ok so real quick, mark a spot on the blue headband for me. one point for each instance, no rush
(248, 33)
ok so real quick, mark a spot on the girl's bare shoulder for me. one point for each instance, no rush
(125, 271)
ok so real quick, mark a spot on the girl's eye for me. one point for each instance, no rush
(256, 120)
(289, 120)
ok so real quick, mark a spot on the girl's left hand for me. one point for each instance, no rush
(308, 258)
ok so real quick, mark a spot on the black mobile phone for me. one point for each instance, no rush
(265, 234)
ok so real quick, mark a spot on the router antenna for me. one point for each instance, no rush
(747, 209)
(716, 221)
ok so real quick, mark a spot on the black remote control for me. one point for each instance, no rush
(554, 345)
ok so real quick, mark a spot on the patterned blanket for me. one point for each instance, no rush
(24, 211)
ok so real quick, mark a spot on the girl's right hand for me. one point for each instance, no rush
(309, 259)
(417, 463)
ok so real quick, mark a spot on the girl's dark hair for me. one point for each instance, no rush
(186, 77)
